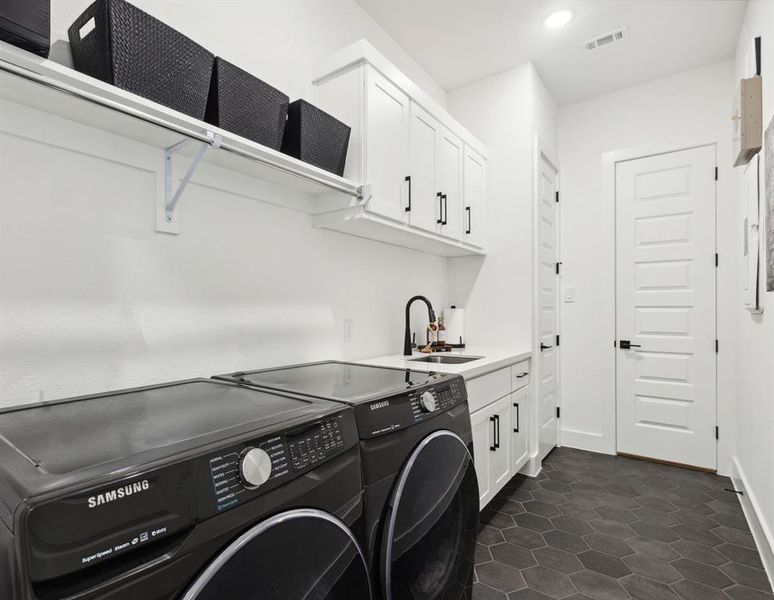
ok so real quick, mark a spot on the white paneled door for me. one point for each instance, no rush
(548, 257)
(665, 284)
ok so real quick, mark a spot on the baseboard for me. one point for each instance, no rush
(762, 535)
(584, 440)
(532, 467)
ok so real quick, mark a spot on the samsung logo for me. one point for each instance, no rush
(378, 405)
(118, 493)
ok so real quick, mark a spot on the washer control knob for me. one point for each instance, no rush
(255, 467)
(427, 402)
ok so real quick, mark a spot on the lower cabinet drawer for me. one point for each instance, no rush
(520, 374)
(488, 388)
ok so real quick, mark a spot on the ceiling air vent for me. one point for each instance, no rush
(605, 39)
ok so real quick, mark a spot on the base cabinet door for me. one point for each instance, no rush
(519, 428)
(500, 465)
(483, 439)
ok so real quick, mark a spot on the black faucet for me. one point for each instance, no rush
(430, 314)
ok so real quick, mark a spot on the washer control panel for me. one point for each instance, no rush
(241, 472)
(437, 398)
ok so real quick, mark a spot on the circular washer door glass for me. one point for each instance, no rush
(429, 536)
(301, 554)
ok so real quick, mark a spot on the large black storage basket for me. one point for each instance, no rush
(138, 53)
(27, 24)
(243, 104)
(315, 137)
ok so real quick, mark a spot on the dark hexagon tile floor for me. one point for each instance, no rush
(598, 527)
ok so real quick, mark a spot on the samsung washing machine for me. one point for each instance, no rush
(421, 492)
(196, 490)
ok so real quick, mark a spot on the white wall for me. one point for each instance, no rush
(754, 456)
(686, 109)
(504, 111)
(277, 40)
(92, 298)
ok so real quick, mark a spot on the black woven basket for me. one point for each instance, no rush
(242, 103)
(27, 24)
(134, 51)
(315, 137)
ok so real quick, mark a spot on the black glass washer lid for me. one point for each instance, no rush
(335, 380)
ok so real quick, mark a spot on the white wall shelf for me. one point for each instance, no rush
(56, 89)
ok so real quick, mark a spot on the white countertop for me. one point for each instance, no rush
(492, 360)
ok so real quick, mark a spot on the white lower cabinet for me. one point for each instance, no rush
(500, 429)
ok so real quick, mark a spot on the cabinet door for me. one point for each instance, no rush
(483, 440)
(500, 462)
(450, 161)
(423, 157)
(386, 145)
(519, 428)
(474, 199)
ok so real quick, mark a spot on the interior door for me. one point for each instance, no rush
(450, 157)
(474, 196)
(431, 524)
(271, 562)
(665, 280)
(387, 126)
(548, 279)
(425, 207)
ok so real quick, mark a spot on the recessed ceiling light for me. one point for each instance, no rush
(558, 19)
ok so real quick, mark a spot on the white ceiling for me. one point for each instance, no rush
(460, 41)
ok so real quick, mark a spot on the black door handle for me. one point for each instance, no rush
(518, 417)
(493, 447)
(544, 347)
(408, 208)
(626, 345)
(467, 231)
(445, 209)
(439, 220)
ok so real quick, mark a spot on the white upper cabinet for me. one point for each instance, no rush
(450, 184)
(387, 120)
(474, 199)
(424, 211)
(410, 155)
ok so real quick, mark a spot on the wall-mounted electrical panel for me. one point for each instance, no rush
(748, 120)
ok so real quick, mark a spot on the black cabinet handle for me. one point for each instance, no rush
(439, 220)
(544, 347)
(518, 417)
(493, 448)
(497, 428)
(445, 209)
(520, 375)
(467, 231)
(408, 179)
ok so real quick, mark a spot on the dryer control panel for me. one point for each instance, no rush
(387, 415)
(241, 472)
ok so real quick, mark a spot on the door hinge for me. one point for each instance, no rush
(557, 195)
(557, 267)
(717, 259)
(558, 413)
(557, 339)
(717, 346)
(717, 433)
(716, 173)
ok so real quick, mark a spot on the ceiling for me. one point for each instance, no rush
(460, 41)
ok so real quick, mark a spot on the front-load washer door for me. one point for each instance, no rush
(431, 522)
(302, 554)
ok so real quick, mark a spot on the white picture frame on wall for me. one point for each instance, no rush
(751, 239)
(768, 145)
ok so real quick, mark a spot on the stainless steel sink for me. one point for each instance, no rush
(445, 359)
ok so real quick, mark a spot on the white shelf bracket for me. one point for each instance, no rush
(171, 197)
